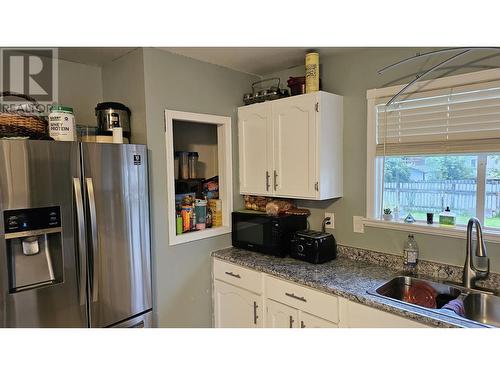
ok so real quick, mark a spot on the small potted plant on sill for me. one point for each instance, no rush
(387, 214)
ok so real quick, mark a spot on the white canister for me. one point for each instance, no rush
(62, 123)
(117, 135)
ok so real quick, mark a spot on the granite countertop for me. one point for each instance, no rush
(345, 277)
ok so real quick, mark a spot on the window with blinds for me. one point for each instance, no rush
(455, 120)
(436, 148)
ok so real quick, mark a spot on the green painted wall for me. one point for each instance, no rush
(182, 273)
(123, 82)
(351, 74)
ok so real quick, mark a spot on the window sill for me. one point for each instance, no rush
(431, 229)
(199, 235)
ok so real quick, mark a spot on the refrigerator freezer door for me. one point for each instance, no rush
(141, 321)
(116, 191)
(34, 175)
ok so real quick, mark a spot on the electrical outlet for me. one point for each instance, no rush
(357, 223)
(331, 223)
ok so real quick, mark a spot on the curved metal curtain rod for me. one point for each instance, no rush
(437, 52)
(426, 73)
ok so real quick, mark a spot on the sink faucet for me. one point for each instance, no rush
(471, 273)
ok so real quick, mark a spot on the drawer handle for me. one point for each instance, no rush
(302, 325)
(255, 316)
(296, 297)
(233, 275)
(291, 321)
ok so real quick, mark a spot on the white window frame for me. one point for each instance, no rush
(373, 179)
(225, 163)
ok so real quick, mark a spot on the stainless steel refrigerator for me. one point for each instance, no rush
(74, 235)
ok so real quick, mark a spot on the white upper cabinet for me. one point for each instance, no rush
(292, 147)
(254, 125)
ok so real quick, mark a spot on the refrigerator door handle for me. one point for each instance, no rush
(95, 242)
(81, 238)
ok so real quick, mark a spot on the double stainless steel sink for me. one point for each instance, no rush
(478, 306)
(483, 308)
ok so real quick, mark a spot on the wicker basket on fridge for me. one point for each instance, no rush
(22, 120)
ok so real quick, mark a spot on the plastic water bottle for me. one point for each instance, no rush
(410, 255)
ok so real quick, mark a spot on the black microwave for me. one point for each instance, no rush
(264, 233)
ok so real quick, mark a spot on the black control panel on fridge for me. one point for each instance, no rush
(31, 219)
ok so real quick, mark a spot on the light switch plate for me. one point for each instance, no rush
(357, 223)
(330, 224)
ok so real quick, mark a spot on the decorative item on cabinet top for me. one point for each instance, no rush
(297, 85)
(264, 93)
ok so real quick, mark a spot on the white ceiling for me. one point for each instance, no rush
(254, 60)
(98, 56)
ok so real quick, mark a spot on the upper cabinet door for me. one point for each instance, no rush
(295, 147)
(254, 134)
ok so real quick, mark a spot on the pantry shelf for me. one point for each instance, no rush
(208, 137)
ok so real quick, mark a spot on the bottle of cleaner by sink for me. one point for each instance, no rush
(410, 254)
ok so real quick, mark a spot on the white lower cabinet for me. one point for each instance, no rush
(311, 321)
(236, 307)
(245, 298)
(356, 315)
(289, 305)
(279, 315)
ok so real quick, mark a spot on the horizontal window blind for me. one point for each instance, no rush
(459, 119)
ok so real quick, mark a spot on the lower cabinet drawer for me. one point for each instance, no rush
(238, 276)
(305, 299)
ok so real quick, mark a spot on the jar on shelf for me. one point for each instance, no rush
(193, 164)
(200, 208)
(209, 218)
(176, 164)
(186, 214)
(183, 165)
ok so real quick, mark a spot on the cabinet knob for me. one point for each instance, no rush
(302, 325)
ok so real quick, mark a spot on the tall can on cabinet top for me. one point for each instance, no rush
(312, 72)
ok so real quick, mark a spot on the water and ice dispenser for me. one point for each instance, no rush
(34, 247)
